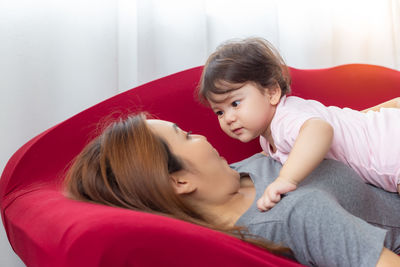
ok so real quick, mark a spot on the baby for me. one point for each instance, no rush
(246, 83)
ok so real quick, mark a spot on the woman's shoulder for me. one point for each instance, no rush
(258, 164)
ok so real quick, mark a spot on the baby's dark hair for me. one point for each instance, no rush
(237, 62)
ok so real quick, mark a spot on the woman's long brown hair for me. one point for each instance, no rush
(129, 166)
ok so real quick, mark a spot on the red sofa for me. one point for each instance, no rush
(47, 229)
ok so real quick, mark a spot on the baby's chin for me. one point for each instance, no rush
(245, 139)
(241, 137)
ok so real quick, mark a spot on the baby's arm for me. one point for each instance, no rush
(312, 144)
(393, 103)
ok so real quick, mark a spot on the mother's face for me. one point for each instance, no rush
(209, 173)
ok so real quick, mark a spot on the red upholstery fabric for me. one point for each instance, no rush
(47, 229)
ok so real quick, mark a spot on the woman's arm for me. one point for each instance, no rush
(393, 103)
(311, 145)
(388, 259)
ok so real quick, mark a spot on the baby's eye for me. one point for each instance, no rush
(235, 103)
(219, 113)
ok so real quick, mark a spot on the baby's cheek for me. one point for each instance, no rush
(222, 125)
(225, 129)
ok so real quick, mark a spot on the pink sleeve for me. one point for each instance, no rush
(285, 126)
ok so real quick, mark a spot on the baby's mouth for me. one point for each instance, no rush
(237, 130)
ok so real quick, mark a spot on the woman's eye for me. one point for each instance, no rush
(219, 113)
(188, 134)
(235, 103)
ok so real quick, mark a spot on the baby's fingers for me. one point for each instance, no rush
(273, 196)
(261, 205)
(264, 204)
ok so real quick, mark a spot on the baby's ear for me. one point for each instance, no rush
(274, 94)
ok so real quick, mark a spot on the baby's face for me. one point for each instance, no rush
(245, 113)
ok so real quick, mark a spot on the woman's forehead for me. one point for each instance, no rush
(161, 127)
(154, 122)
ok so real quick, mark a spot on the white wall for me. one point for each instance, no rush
(172, 37)
(56, 59)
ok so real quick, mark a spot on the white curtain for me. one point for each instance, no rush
(177, 34)
(58, 57)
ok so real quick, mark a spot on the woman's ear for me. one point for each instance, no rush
(182, 184)
(274, 94)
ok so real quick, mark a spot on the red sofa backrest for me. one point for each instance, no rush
(47, 229)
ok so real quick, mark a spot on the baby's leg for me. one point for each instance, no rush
(398, 188)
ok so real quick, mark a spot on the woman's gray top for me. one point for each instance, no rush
(332, 219)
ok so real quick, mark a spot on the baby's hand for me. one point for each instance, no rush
(272, 194)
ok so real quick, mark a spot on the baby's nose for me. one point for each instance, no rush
(230, 117)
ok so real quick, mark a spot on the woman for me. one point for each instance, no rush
(156, 167)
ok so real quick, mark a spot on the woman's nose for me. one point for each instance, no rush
(199, 136)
